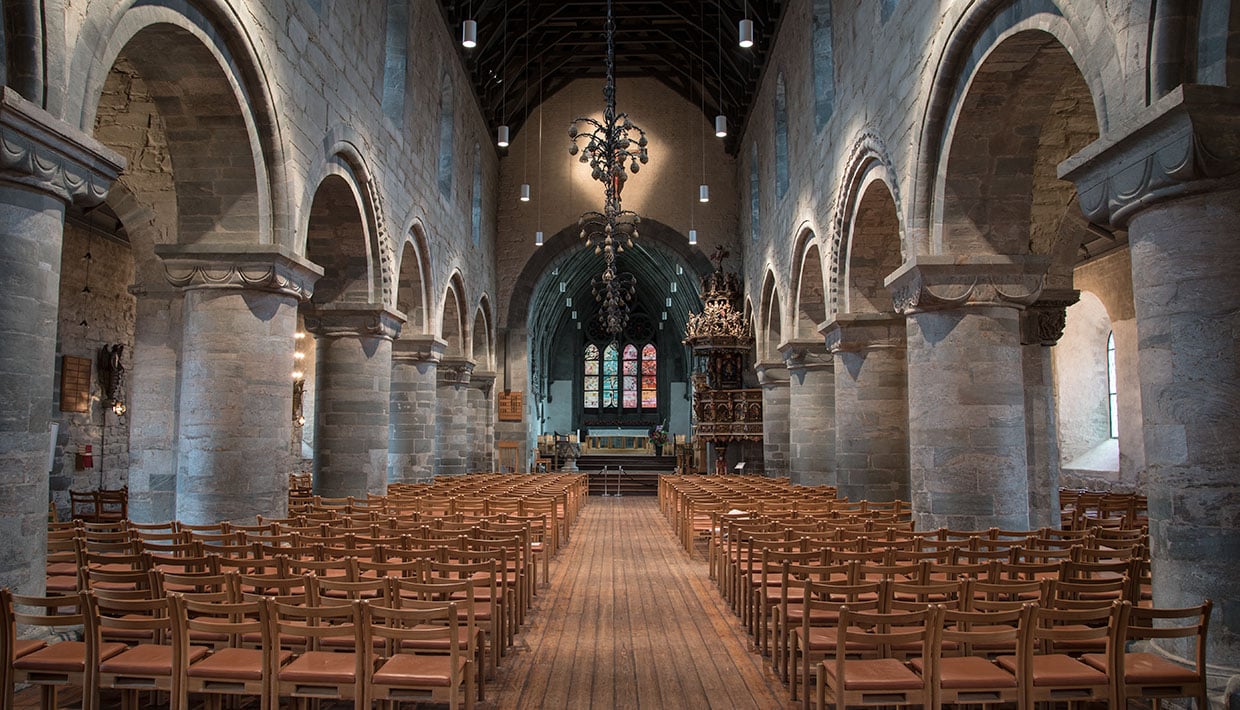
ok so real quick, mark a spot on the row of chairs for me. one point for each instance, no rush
(1081, 509)
(383, 648)
(99, 505)
(941, 655)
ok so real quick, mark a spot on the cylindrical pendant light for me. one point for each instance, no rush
(703, 193)
(469, 34)
(692, 237)
(721, 126)
(525, 192)
(501, 136)
(745, 33)
(538, 238)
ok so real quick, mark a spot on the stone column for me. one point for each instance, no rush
(153, 402)
(354, 377)
(773, 378)
(452, 417)
(811, 404)
(968, 467)
(411, 445)
(1172, 178)
(871, 398)
(481, 422)
(45, 165)
(236, 392)
(1041, 327)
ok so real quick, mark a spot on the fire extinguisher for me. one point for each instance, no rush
(85, 457)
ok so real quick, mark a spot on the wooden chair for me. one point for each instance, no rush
(315, 673)
(146, 665)
(438, 591)
(1140, 674)
(64, 663)
(880, 679)
(966, 674)
(1050, 673)
(409, 668)
(233, 668)
(11, 648)
(817, 636)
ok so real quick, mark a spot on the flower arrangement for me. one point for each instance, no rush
(658, 435)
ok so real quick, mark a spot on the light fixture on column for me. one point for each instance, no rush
(299, 379)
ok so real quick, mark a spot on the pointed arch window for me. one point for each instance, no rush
(650, 377)
(611, 377)
(591, 381)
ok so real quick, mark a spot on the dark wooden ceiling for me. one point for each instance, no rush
(689, 46)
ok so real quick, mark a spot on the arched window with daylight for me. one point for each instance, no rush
(611, 377)
(1112, 385)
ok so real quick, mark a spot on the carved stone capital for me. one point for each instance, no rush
(772, 373)
(418, 349)
(346, 321)
(1185, 143)
(454, 372)
(40, 151)
(931, 283)
(864, 332)
(1043, 322)
(483, 380)
(804, 355)
(256, 268)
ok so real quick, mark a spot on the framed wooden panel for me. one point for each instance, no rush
(74, 384)
(511, 406)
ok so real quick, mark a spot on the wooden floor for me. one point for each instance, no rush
(628, 622)
(631, 622)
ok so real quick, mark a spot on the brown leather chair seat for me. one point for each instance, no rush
(64, 657)
(236, 663)
(420, 670)
(969, 672)
(147, 659)
(314, 667)
(877, 674)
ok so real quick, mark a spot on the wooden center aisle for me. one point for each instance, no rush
(631, 622)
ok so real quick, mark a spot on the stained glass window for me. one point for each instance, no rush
(611, 379)
(591, 382)
(630, 377)
(620, 377)
(650, 377)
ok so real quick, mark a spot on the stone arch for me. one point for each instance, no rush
(346, 159)
(413, 285)
(337, 240)
(1027, 108)
(770, 319)
(482, 340)
(869, 168)
(872, 251)
(452, 318)
(173, 43)
(980, 29)
(809, 285)
(1080, 371)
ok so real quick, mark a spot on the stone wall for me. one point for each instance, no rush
(89, 321)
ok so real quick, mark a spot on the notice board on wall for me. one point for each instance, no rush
(74, 384)
(511, 406)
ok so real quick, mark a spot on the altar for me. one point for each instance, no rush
(616, 440)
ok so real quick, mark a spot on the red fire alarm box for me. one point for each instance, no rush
(85, 457)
